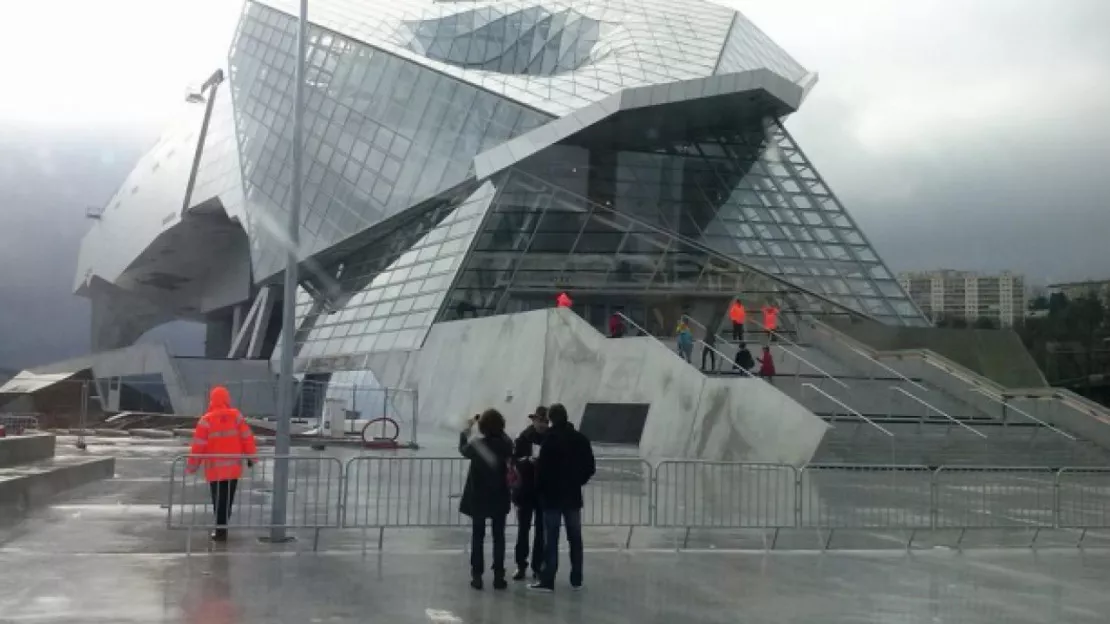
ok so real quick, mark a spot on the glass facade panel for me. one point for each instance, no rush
(665, 225)
(370, 117)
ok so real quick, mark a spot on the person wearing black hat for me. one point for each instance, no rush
(525, 451)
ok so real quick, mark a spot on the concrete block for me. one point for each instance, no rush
(28, 486)
(16, 450)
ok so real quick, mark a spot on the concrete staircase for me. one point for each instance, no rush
(30, 473)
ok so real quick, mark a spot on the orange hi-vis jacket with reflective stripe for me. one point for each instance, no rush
(737, 313)
(225, 434)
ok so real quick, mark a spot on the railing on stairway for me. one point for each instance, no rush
(937, 410)
(873, 358)
(978, 383)
(818, 369)
(701, 342)
(735, 366)
(845, 407)
(1013, 408)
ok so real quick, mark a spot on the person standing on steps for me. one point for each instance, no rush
(770, 320)
(222, 442)
(767, 366)
(616, 325)
(743, 359)
(707, 350)
(527, 499)
(486, 493)
(566, 463)
(685, 339)
(737, 314)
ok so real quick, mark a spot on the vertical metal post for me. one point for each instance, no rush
(83, 415)
(289, 304)
(385, 409)
(415, 416)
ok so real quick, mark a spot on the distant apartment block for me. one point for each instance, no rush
(948, 295)
(1075, 290)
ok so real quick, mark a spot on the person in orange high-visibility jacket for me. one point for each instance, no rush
(222, 441)
(770, 320)
(737, 315)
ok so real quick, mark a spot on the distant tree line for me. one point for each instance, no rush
(1070, 340)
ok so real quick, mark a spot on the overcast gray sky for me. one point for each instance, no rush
(969, 134)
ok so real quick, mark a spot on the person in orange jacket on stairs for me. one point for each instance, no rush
(737, 315)
(222, 441)
(770, 320)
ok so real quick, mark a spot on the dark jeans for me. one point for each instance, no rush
(552, 519)
(478, 543)
(738, 332)
(223, 499)
(706, 351)
(524, 518)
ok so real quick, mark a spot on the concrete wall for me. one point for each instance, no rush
(25, 449)
(516, 362)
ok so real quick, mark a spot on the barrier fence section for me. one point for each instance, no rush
(18, 424)
(425, 492)
(379, 492)
(314, 501)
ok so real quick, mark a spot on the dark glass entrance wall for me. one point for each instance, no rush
(657, 228)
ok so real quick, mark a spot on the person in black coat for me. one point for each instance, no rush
(565, 464)
(486, 493)
(527, 500)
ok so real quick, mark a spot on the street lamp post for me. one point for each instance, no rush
(289, 303)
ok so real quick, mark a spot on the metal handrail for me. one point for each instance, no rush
(784, 350)
(724, 357)
(1004, 404)
(939, 411)
(874, 359)
(653, 337)
(779, 335)
(850, 410)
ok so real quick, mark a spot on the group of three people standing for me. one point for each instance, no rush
(542, 473)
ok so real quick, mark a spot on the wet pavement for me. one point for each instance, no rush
(102, 554)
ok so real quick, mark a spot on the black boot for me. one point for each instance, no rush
(476, 581)
(499, 580)
(521, 572)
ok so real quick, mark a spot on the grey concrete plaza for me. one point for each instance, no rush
(103, 554)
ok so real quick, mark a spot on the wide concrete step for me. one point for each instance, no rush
(29, 485)
(22, 449)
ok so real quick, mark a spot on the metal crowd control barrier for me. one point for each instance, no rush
(845, 497)
(371, 492)
(1009, 498)
(1082, 499)
(17, 424)
(702, 494)
(425, 492)
(314, 496)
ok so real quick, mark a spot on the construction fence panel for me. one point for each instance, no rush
(865, 497)
(315, 493)
(704, 494)
(988, 497)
